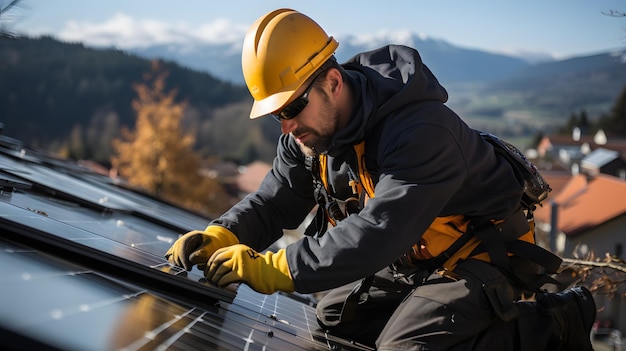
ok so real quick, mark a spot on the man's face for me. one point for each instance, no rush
(314, 127)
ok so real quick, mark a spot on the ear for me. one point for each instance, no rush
(334, 81)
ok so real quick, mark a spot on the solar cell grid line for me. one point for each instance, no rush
(121, 227)
(224, 330)
(250, 332)
(47, 178)
(269, 317)
(277, 306)
(265, 324)
(50, 297)
(112, 257)
(102, 195)
(287, 319)
(311, 328)
(230, 332)
(172, 339)
(149, 336)
(293, 310)
(221, 330)
(152, 209)
(303, 317)
(254, 318)
(137, 317)
(62, 230)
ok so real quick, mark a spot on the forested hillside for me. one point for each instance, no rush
(72, 99)
(584, 82)
(541, 97)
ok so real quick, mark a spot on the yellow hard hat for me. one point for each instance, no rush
(280, 51)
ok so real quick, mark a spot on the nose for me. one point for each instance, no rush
(287, 125)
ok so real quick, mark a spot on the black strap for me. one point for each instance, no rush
(356, 296)
(319, 224)
(438, 261)
(549, 261)
(510, 230)
(494, 236)
(500, 240)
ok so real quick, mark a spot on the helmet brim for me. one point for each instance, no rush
(271, 104)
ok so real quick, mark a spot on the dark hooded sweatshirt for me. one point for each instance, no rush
(424, 160)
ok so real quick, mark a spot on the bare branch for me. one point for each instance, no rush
(4, 22)
(613, 265)
(7, 8)
(614, 13)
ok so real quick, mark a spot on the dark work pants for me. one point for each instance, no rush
(444, 313)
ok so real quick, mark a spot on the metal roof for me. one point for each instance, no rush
(599, 157)
(83, 269)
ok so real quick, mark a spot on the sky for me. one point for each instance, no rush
(555, 28)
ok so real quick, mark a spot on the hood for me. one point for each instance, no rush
(384, 80)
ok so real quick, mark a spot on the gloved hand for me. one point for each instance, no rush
(197, 246)
(265, 273)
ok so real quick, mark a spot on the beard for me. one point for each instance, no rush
(318, 141)
(318, 144)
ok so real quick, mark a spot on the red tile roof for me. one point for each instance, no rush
(585, 203)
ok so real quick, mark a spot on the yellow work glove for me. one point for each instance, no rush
(265, 273)
(197, 246)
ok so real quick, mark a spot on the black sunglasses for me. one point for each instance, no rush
(296, 106)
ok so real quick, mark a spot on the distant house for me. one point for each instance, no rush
(568, 151)
(585, 212)
(604, 161)
(587, 215)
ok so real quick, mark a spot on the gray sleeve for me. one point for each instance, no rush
(282, 201)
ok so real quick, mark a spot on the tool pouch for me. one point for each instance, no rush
(497, 288)
(536, 189)
(501, 296)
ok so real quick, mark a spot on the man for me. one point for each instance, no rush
(400, 177)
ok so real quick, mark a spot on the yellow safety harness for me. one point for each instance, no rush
(450, 239)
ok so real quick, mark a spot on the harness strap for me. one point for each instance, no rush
(532, 252)
(538, 255)
(438, 261)
(323, 169)
(367, 183)
(500, 239)
(319, 225)
(328, 209)
(358, 295)
(494, 235)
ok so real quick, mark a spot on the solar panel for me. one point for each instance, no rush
(73, 308)
(83, 269)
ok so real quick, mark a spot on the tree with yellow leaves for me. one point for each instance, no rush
(158, 155)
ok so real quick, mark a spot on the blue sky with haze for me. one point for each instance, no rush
(559, 28)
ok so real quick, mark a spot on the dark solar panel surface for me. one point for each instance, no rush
(83, 269)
